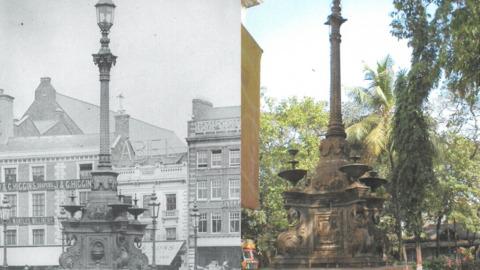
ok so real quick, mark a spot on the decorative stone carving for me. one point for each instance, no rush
(105, 182)
(294, 240)
(327, 232)
(72, 258)
(120, 254)
(98, 213)
(97, 250)
(359, 238)
(97, 228)
(138, 260)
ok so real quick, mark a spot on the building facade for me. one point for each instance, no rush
(214, 183)
(49, 153)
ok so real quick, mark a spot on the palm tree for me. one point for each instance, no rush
(374, 129)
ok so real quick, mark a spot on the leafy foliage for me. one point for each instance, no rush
(452, 32)
(413, 172)
(373, 131)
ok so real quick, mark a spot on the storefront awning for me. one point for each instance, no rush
(33, 255)
(165, 252)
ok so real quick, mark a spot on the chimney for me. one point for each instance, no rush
(59, 113)
(199, 107)
(45, 90)
(122, 125)
(6, 116)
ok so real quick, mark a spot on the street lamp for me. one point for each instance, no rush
(5, 218)
(61, 218)
(105, 12)
(195, 218)
(104, 60)
(154, 207)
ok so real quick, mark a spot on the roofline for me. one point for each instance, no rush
(230, 136)
(213, 108)
(114, 113)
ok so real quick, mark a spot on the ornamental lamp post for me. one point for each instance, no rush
(195, 219)
(104, 59)
(61, 218)
(154, 207)
(5, 218)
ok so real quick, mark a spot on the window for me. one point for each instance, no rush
(216, 222)
(235, 222)
(38, 173)
(85, 170)
(146, 199)
(202, 190)
(38, 205)
(10, 175)
(234, 189)
(128, 199)
(216, 189)
(12, 200)
(202, 159)
(217, 158)
(11, 237)
(171, 201)
(83, 197)
(202, 223)
(38, 237)
(235, 157)
(171, 233)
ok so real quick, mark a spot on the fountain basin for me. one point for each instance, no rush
(355, 170)
(373, 182)
(293, 176)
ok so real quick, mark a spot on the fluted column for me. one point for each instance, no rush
(335, 20)
(104, 60)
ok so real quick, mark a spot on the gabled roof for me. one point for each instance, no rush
(44, 125)
(86, 117)
(431, 232)
(50, 143)
(54, 114)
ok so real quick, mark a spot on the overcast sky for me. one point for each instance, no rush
(169, 52)
(296, 57)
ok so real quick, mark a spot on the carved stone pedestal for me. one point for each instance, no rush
(335, 219)
(103, 238)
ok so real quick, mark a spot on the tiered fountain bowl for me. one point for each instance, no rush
(120, 207)
(293, 175)
(72, 208)
(135, 210)
(373, 181)
(355, 170)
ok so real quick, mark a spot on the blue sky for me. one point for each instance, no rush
(295, 41)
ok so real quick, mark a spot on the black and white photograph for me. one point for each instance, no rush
(120, 134)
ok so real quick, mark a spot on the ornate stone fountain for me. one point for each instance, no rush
(335, 214)
(103, 237)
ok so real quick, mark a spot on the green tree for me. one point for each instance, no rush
(454, 36)
(459, 44)
(413, 173)
(456, 197)
(288, 124)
